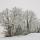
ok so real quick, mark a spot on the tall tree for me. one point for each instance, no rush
(7, 22)
(29, 17)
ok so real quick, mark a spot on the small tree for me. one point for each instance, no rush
(19, 30)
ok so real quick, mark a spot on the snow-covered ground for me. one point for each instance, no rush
(31, 36)
(2, 30)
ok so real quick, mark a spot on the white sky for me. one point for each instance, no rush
(33, 5)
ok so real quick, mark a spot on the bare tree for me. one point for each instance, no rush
(7, 22)
(29, 17)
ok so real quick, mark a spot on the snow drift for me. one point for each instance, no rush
(31, 36)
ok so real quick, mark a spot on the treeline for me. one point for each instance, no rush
(19, 22)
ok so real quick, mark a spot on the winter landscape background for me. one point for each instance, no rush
(20, 19)
(18, 22)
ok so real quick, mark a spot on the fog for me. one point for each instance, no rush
(33, 5)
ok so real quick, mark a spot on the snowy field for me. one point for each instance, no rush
(31, 36)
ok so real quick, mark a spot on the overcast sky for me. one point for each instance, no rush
(33, 5)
